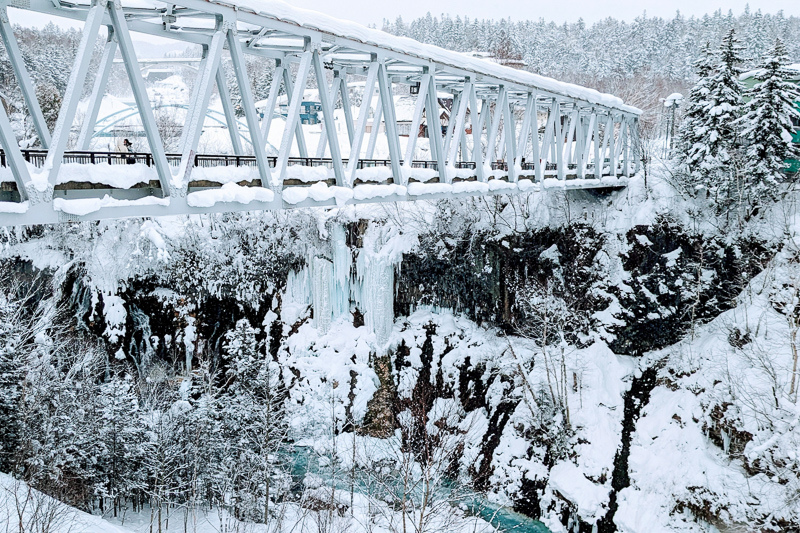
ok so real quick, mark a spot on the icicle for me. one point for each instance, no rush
(321, 289)
(342, 261)
(376, 294)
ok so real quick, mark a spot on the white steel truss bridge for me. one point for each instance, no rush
(502, 130)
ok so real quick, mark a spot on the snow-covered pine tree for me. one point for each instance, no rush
(723, 108)
(766, 127)
(691, 148)
(122, 433)
(253, 421)
(12, 375)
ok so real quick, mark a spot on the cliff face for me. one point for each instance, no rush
(588, 360)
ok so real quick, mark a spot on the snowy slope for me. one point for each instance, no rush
(26, 509)
(719, 435)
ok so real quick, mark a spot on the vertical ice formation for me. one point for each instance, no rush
(333, 286)
(321, 292)
(376, 279)
(297, 297)
(342, 262)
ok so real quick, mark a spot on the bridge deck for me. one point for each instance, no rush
(76, 200)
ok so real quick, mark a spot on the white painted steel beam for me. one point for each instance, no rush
(248, 103)
(98, 91)
(293, 118)
(390, 121)
(361, 126)
(328, 119)
(139, 94)
(72, 95)
(505, 96)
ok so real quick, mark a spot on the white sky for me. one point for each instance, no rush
(374, 11)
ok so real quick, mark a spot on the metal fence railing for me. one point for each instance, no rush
(37, 158)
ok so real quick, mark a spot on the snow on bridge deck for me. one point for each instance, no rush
(497, 119)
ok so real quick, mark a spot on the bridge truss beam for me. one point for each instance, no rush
(482, 123)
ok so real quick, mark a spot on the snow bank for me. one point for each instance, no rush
(224, 174)
(84, 206)
(230, 192)
(590, 499)
(14, 207)
(115, 176)
(16, 497)
(368, 191)
(419, 189)
(319, 192)
(308, 174)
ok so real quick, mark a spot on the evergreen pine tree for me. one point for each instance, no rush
(723, 108)
(767, 126)
(708, 137)
(121, 432)
(253, 423)
(692, 149)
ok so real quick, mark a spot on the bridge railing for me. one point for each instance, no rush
(37, 158)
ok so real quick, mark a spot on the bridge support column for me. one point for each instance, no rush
(46, 180)
(613, 154)
(344, 93)
(14, 156)
(448, 136)
(390, 120)
(568, 142)
(537, 157)
(626, 146)
(230, 114)
(293, 116)
(139, 92)
(491, 143)
(607, 144)
(334, 96)
(559, 141)
(598, 162)
(588, 134)
(338, 89)
(525, 129)
(510, 131)
(204, 84)
(637, 144)
(580, 144)
(477, 117)
(419, 108)
(302, 78)
(376, 127)
(329, 119)
(272, 98)
(458, 128)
